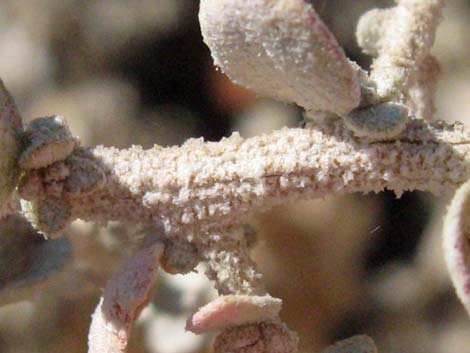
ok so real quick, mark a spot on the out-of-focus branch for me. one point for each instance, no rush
(10, 128)
(420, 96)
(401, 37)
(27, 261)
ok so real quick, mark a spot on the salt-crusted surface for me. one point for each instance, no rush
(201, 191)
(421, 94)
(205, 184)
(280, 49)
(402, 38)
(233, 310)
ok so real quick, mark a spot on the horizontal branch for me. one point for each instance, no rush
(199, 185)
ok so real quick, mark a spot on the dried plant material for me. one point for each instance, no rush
(10, 128)
(280, 49)
(233, 310)
(27, 262)
(382, 121)
(48, 140)
(125, 295)
(457, 243)
(401, 37)
(49, 216)
(265, 337)
(355, 344)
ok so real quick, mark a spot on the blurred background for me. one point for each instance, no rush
(128, 72)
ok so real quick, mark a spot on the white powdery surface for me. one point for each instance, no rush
(280, 49)
(233, 310)
(402, 37)
(124, 297)
(200, 184)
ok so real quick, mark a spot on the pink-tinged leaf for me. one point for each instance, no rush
(263, 337)
(280, 49)
(233, 310)
(457, 243)
(124, 296)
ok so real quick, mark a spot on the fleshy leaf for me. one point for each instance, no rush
(457, 243)
(233, 310)
(124, 296)
(280, 49)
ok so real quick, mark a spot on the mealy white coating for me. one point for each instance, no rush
(420, 95)
(233, 310)
(280, 49)
(401, 38)
(216, 182)
(201, 192)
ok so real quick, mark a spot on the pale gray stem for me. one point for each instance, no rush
(229, 264)
(408, 37)
(201, 185)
